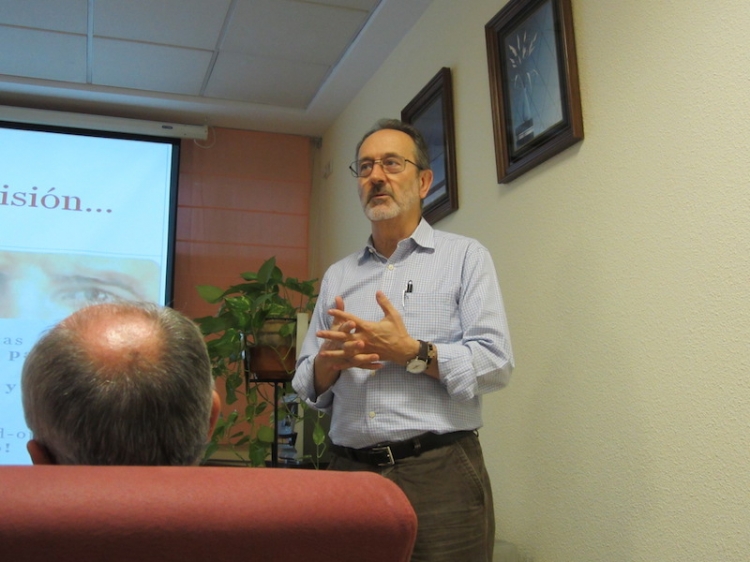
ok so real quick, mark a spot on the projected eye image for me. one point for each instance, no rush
(51, 286)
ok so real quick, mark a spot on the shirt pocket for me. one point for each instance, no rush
(430, 316)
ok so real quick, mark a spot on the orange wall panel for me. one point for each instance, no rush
(244, 196)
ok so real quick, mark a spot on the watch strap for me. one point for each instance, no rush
(431, 353)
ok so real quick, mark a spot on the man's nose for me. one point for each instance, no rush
(377, 175)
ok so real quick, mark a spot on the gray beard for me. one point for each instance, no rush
(381, 212)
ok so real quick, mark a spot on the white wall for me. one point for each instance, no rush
(625, 267)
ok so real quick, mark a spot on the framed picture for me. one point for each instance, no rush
(431, 112)
(536, 102)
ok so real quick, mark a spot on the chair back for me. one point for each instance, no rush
(191, 514)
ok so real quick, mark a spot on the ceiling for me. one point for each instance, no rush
(288, 66)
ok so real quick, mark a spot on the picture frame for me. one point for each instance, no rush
(431, 112)
(533, 71)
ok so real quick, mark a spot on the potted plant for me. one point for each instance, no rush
(253, 336)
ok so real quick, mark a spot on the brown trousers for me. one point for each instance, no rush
(450, 491)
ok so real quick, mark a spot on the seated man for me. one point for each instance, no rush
(119, 384)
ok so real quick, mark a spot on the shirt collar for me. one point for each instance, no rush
(423, 236)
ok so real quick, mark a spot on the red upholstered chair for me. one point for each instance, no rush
(144, 514)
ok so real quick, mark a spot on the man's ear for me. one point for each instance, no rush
(425, 182)
(38, 453)
(215, 409)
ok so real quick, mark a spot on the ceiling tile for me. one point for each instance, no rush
(181, 23)
(70, 16)
(144, 66)
(265, 81)
(292, 30)
(42, 54)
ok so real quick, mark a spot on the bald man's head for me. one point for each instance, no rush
(116, 336)
(121, 384)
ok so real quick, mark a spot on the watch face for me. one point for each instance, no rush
(416, 365)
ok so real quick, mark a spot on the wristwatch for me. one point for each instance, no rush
(423, 359)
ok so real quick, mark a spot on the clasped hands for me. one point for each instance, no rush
(353, 342)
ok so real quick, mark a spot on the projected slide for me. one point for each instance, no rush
(83, 219)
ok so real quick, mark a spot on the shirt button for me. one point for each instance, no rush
(372, 414)
(390, 267)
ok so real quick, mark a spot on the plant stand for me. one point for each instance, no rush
(278, 385)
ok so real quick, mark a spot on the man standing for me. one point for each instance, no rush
(120, 384)
(407, 335)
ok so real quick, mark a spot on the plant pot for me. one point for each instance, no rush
(273, 356)
(276, 363)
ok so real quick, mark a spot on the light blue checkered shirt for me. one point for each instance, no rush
(455, 303)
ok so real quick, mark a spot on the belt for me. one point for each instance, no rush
(386, 454)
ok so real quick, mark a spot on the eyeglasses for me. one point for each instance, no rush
(390, 164)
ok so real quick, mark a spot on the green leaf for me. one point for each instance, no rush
(252, 393)
(230, 385)
(265, 434)
(258, 453)
(266, 270)
(211, 324)
(262, 302)
(226, 346)
(249, 412)
(319, 434)
(210, 293)
(288, 329)
(210, 450)
(219, 430)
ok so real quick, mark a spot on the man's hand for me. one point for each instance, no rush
(387, 338)
(340, 351)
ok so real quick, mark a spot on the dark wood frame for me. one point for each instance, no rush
(518, 146)
(421, 112)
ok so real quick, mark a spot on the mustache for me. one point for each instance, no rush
(378, 190)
